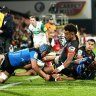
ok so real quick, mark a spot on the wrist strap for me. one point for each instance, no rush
(61, 67)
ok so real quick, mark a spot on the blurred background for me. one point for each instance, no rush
(79, 12)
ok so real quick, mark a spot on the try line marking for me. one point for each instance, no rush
(17, 83)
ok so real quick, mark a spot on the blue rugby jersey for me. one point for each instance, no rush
(22, 57)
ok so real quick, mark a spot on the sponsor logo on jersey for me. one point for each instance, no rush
(71, 49)
(79, 52)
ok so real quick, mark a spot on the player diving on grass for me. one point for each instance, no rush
(14, 60)
(69, 50)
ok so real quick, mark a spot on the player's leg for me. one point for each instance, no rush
(27, 67)
(27, 73)
(4, 76)
(6, 68)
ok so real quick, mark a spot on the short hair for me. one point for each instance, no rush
(32, 17)
(50, 18)
(71, 28)
(92, 40)
(37, 18)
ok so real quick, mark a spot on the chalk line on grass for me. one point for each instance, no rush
(17, 83)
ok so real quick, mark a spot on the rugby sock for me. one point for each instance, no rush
(52, 78)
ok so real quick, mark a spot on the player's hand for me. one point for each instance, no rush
(56, 71)
(47, 77)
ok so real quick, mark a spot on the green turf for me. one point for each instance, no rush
(94, 50)
(40, 87)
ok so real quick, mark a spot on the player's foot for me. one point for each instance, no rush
(59, 79)
(51, 78)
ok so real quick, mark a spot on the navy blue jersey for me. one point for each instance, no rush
(82, 52)
(80, 71)
(82, 68)
(8, 26)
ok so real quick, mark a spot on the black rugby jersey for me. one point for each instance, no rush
(70, 47)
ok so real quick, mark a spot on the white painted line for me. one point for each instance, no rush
(17, 83)
(32, 78)
(54, 88)
(9, 85)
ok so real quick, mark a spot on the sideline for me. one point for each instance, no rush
(17, 83)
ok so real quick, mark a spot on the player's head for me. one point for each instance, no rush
(32, 20)
(50, 20)
(90, 44)
(44, 49)
(70, 31)
(5, 9)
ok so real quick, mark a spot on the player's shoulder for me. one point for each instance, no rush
(81, 48)
(74, 43)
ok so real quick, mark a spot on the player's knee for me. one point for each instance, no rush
(3, 77)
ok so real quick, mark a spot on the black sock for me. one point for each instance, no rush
(52, 78)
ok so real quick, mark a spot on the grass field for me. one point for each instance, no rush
(36, 86)
(94, 50)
